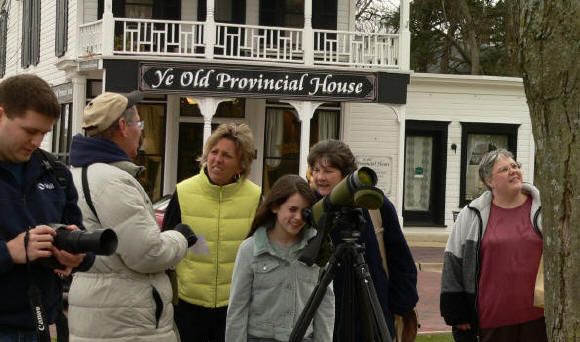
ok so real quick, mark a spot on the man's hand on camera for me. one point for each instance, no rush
(40, 240)
(67, 259)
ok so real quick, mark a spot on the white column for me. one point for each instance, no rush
(108, 29)
(79, 101)
(209, 29)
(404, 37)
(171, 144)
(402, 111)
(308, 34)
(305, 111)
(208, 107)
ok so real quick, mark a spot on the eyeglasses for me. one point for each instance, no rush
(140, 124)
(515, 166)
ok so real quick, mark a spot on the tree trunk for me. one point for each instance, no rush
(471, 37)
(512, 25)
(446, 50)
(549, 42)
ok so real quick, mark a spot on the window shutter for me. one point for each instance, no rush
(61, 34)
(3, 40)
(25, 45)
(35, 49)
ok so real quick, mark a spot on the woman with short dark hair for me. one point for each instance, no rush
(330, 162)
(496, 237)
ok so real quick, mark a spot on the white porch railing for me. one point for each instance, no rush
(241, 42)
(356, 49)
(264, 43)
(158, 37)
(90, 38)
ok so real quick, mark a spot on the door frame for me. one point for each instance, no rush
(436, 214)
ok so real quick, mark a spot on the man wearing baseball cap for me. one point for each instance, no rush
(127, 295)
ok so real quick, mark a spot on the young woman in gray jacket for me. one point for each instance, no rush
(270, 287)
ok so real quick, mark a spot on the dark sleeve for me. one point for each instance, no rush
(172, 215)
(72, 215)
(402, 270)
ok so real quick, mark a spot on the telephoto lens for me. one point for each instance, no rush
(99, 241)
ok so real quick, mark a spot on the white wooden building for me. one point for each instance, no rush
(294, 70)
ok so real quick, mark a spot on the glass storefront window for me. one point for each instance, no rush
(282, 145)
(418, 164)
(190, 148)
(282, 141)
(324, 125)
(153, 148)
(236, 108)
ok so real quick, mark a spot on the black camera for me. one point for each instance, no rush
(99, 242)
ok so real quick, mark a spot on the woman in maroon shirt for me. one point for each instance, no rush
(496, 239)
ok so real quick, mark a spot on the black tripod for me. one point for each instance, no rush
(358, 285)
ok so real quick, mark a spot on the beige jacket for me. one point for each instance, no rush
(115, 300)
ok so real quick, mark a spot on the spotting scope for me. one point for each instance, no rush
(356, 190)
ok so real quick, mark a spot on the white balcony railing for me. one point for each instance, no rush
(264, 43)
(158, 37)
(90, 38)
(355, 48)
(241, 42)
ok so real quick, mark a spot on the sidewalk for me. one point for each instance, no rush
(429, 261)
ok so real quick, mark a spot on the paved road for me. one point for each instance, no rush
(429, 261)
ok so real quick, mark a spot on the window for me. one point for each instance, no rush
(290, 13)
(282, 13)
(282, 140)
(190, 148)
(62, 133)
(30, 33)
(152, 154)
(139, 9)
(476, 140)
(61, 33)
(3, 32)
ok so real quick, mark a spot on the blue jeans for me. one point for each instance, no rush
(17, 335)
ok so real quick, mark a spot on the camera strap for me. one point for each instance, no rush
(35, 298)
(87, 192)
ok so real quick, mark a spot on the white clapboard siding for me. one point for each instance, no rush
(189, 10)
(90, 10)
(342, 15)
(46, 68)
(372, 129)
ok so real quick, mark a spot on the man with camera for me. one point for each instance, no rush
(125, 296)
(32, 196)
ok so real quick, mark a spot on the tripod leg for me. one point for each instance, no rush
(316, 297)
(346, 329)
(370, 298)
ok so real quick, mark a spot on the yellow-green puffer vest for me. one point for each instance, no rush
(223, 215)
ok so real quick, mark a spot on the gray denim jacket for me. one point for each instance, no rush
(269, 292)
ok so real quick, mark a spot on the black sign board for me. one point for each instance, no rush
(210, 80)
(63, 92)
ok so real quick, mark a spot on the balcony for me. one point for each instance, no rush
(235, 42)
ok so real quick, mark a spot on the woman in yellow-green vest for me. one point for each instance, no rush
(219, 205)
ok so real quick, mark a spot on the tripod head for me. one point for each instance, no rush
(349, 221)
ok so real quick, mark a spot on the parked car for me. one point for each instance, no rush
(160, 207)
